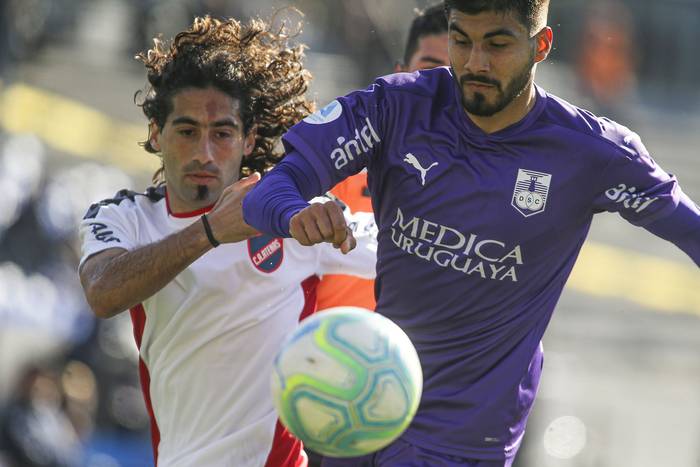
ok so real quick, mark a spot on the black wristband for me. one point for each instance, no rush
(210, 235)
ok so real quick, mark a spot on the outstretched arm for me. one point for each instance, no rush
(682, 227)
(278, 206)
(117, 279)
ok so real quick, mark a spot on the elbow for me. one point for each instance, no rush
(101, 306)
(103, 312)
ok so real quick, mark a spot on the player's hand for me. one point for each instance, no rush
(322, 222)
(226, 217)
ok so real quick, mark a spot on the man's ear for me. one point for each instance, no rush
(249, 141)
(154, 135)
(545, 40)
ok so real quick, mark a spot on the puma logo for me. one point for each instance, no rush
(411, 160)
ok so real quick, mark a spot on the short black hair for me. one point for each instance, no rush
(532, 13)
(430, 21)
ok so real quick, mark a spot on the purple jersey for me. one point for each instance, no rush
(478, 234)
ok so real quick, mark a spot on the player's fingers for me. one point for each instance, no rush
(296, 229)
(348, 244)
(338, 223)
(313, 233)
(246, 184)
(239, 189)
(324, 224)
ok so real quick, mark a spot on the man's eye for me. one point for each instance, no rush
(186, 132)
(223, 134)
(498, 45)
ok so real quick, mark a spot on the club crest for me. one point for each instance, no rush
(266, 252)
(530, 192)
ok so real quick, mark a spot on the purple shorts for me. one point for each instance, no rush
(403, 454)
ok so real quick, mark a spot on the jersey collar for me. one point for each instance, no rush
(184, 215)
(509, 131)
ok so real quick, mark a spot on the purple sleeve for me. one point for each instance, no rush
(337, 141)
(681, 227)
(634, 186)
(344, 137)
(281, 194)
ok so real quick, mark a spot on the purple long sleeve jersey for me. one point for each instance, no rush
(478, 233)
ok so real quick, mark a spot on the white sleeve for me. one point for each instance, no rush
(104, 227)
(362, 260)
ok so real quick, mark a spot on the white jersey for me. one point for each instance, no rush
(207, 339)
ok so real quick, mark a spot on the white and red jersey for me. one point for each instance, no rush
(207, 339)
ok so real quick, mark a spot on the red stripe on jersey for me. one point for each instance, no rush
(310, 288)
(287, 451)
(138, 319)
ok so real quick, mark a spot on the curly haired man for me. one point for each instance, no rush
(207, 320)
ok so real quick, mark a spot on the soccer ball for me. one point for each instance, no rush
(347, 382)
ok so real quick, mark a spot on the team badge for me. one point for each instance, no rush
(326, 115)
(266, 252)
(530, 192)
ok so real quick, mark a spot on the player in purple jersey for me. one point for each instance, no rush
(484, 187)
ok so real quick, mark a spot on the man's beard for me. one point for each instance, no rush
(478, 104)
(202, 193)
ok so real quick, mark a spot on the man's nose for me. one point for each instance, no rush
(479, 61)
(205, 149)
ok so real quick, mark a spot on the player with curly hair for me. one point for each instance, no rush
(208, 323)
(250, 63)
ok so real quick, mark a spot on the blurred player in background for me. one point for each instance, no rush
(484, 187)
(209, 323)
(426, 48)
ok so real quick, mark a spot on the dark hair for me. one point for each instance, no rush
(430, 21)
(252, 63)
(532, 13)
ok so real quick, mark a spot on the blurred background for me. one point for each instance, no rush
(621, 385)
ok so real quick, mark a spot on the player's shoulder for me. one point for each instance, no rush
(425, 83)
(594, 130)
(128, 200)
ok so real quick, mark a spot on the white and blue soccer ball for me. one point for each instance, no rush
(347, 382)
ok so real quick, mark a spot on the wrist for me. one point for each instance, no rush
(209, 232)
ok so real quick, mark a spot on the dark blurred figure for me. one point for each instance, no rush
(3, 37)
(426, 46)
(607, 62)
(34, 429)
(26, 26)
(93, 383)
(168, 17)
